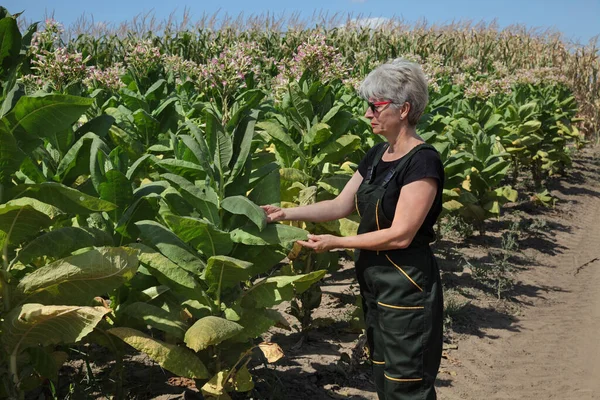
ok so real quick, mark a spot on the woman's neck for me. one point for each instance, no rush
(401, 143)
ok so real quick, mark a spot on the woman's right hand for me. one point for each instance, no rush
(274, 213)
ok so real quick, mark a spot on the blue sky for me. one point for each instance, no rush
(578, 20)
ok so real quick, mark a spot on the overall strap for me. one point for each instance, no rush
(376, 160)
(403, 161)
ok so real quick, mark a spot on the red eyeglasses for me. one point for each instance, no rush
(375, 105)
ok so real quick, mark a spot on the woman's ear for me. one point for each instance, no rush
(404, 110)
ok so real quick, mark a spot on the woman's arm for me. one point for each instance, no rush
(414, 203)
(327, 210)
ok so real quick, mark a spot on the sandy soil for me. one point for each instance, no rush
(551, 350)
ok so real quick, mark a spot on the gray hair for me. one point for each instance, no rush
(400, 81)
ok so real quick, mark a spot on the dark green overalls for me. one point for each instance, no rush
(402, 300)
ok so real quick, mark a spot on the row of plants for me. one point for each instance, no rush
(130, 193)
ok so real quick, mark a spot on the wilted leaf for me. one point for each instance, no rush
(32, 325)
(78, 279)
(272, 351)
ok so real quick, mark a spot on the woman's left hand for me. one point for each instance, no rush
(320, 243)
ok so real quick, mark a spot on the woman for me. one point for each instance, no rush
(397, 192)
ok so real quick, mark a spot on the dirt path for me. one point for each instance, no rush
(552, 349)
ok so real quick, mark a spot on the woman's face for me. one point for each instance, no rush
(384, 117)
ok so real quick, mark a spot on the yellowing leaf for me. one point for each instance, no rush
(210, 331)
(176, 359)
(272, 351)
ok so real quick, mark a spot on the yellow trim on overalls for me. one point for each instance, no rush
(405, 274)
(403, 379)
(401, 307)
(377, 217)
(378, 362)
(356, 204)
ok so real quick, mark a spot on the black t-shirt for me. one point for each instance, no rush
(425, 163)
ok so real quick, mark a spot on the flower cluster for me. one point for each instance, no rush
(323, 62)
(536, 76)
(108, 78)
(48, 38)
(143, 57)
(58, 67)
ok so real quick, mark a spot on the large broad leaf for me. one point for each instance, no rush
(337, 150)
(78, 279)
(11, 156)
(99, 125)
(219, 142)
(10, 44)
(204, 199)
(272, 234)
(241, 205)
(117, 190)
(157, 318)
(170, 245)
(272, 291)
(171, 357)
(201, 234)
(38, 325)
(317, 134)
(267, 190)
(198, 147)
(47, 114)
(276, 131)
(23, 218)
(69, 200)
(210, 331)
(242, 140)
(256, 322)
(61, 242)
(169, 274)
(224, 272)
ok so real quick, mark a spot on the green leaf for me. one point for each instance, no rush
(305, 281)
(168, 273)
(46, 114)
(69, 200)
(117, 190)
(157, 318)
(46, 364)
(10, 44)
(318, 134)
(225, 272)
(242, 205)
(171, 357)
(276, 131)
(11, 156)
(529, 126)
(272, 234)
(32, 325)
(170, 245)
(23, 218)
(99, 125)
(203, 235)
(204, 199)
(242, 380)
(242, 140)
(210, 331)
(61, 242)
(256, 322)
(78, 279)
(335, 151)
(219, 142)
(294, 175)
